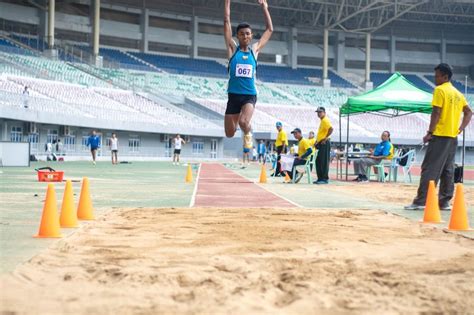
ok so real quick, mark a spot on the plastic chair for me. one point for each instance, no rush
(307, 167)
(392, 168)
(393, 171)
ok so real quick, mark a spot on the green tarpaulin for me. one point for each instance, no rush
(395, 96)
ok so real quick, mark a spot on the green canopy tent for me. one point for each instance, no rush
(395, 97)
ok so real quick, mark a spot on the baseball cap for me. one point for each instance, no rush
(296, 130)
(320, 109)
(279, 124)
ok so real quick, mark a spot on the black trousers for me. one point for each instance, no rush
(279, 150)
(322, 160)
(438, 165)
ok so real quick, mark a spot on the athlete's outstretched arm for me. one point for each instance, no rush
(229, 42)
(269, 27)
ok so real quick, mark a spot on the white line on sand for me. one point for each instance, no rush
(193, 198)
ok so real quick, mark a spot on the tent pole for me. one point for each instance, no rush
(347, 145)
(339, 162)
(463, 152)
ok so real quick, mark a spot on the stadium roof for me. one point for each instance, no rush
(358, 16)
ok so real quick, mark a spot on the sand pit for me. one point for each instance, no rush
(247, 261)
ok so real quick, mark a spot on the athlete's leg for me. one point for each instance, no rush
(230, 124)
(246, 118)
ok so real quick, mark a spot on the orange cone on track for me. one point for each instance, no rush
(68, 217)
(458, 220)
(84, 208)
(189, 174)
(49, 226)
(432, 213)
(263, 175)
(287, 178)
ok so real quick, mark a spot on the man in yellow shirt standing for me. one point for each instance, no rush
(323, 144)
(281, 144)
(438, 165)
(304, 151)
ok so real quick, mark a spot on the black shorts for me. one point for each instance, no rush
(177, 151)
(236, 101)
(114, 151)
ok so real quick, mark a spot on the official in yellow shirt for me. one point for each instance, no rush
(323, 144)
(304, 151)
(281, 145)
(445, 125)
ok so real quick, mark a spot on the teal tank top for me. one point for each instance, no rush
(242, 68)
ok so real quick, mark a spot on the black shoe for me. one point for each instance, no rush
(357, 178)
(386, 174)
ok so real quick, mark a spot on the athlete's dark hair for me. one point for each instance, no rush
(242, 25)
(445, 69)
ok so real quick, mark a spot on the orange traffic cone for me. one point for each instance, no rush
(458, 220)
(68, 217)
(263, 175)
(84, 208)
(49, 226)
(189, 174)
(432, 214)
(287, 178)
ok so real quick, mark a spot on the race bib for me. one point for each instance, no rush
(244, 70)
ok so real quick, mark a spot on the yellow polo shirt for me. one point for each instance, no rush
(312, 141)
(281, 139)
(303, 146)
(323, 128)
(451, 102)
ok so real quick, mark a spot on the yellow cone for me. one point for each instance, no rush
(85, 210)
(189, 174)
(432, 214)
(68, 218)
(49, 226)
(263, 175)
(287, 178)
(458, 220)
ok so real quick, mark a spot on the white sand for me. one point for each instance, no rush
(247, 261)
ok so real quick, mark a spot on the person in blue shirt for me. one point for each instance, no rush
(261, 150)
(383, 150)
(242, 92)
(94, 142)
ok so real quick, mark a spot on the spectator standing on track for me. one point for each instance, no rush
(114, 148)
(177, 143)
(261, 150)
(323, 144)
(94, 142)
(442, 135)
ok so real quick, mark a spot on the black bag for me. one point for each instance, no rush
(458, 172)
(403, 161)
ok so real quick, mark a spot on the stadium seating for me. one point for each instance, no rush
(457, 84)
(188, 66)
(124, 60)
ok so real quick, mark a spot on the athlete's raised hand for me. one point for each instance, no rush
(263, 3)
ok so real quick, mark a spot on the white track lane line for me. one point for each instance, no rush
(193, 197)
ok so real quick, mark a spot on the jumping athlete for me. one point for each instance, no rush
(242, 67)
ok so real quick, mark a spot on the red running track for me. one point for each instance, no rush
(221, 187)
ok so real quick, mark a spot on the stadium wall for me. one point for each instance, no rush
(133, 145)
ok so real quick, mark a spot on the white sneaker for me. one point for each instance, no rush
(93, 162)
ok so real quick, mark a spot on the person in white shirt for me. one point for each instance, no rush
(114, 148)
(177, 143)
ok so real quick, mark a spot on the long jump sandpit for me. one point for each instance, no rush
(247, 261)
